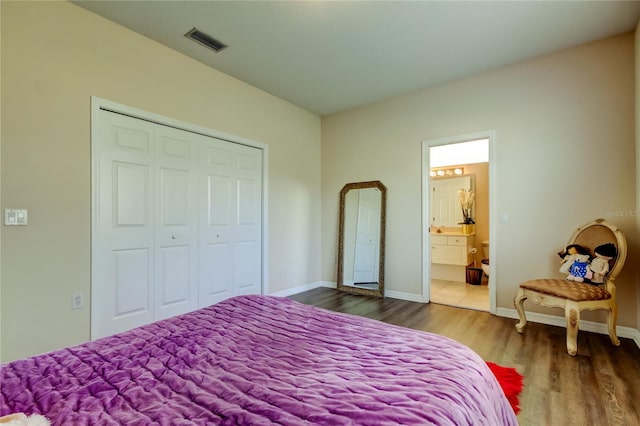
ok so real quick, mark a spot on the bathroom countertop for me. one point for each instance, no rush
(452, 234)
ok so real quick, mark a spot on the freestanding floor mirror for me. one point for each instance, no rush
(361, 238)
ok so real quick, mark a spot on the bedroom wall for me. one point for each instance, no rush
(565, 145)
(55, 56)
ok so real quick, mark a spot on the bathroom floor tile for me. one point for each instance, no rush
(459, 294)
(438, 284)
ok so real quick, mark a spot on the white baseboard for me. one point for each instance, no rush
(303, 287)
(329, 284)
(594, 327)
(411, 297)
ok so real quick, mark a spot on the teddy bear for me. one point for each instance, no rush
(569, 255)
(579, 269)
(21, 419)
(600, 263)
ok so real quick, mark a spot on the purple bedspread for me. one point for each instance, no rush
(258, 360)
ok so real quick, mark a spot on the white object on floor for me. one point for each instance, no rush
(485, 252)
(21, 419)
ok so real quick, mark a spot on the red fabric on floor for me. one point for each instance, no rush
(510, 381)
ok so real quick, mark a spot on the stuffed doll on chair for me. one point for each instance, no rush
(600, 263)
(580, 269)
(569, 255)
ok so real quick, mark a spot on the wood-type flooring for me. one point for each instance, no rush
(599, 386)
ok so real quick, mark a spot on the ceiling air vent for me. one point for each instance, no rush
(206, 40)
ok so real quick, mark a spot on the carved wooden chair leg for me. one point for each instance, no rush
(572, 314)
(612, 319)
(518, 302)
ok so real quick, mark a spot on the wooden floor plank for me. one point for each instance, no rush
(599, 386)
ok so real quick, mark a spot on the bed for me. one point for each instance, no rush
(259, 360)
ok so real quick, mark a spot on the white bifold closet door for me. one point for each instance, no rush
(177, 222)
(230, 221)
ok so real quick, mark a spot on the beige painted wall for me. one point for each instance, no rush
(564, 155)
(481, 171)
(55, 56)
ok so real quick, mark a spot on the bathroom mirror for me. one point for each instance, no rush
(445, 206)
(361, 238)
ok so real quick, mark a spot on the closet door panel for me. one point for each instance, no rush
(175, 275)
(122, 287)
(174, 190)
(219, 207)
(217, 278)
(176, 234)
(249, 220)
(131, 186)
(248, 267)
(248, 225)
(217, 231)
(232, 221)
(132, 284)
(248, 202)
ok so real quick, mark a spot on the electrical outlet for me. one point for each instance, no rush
(77, 301)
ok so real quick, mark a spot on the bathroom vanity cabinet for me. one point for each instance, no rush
(452, 249)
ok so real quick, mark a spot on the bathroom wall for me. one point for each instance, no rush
(481, 170)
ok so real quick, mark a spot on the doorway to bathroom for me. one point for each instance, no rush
(457, 225)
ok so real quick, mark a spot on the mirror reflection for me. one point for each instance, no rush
(361, 238)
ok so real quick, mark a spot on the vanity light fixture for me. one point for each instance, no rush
(457, 171)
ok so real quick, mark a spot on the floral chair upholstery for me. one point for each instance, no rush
(576, 296)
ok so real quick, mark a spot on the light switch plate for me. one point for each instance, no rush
(77, 301)
(504, 217)
(15, 217)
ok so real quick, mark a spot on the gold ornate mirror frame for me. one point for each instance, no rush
(350, 216)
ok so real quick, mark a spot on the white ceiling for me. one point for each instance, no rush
(329, 56)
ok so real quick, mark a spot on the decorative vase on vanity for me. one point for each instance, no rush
(466, 198)
(468, 228)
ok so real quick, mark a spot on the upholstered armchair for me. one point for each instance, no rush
(576, 296)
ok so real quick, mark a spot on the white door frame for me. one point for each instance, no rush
(98, 104)
(426, 206)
